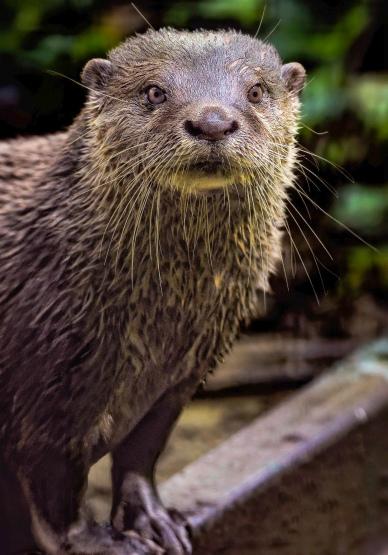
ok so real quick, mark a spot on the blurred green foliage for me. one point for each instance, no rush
(365, 265)
(363, 207)
(346, 98)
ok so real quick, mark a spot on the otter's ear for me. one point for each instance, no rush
(96, 73)
(294, 75)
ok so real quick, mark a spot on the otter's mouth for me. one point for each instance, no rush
(207, 176)
(208, 167)
(210, 175)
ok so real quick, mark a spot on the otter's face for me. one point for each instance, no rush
(196, 111)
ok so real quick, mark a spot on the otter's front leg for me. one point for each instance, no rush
(136, 504)
(54, 487)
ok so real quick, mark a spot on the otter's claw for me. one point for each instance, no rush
(161, 527)
(143, 512)
(103, 540)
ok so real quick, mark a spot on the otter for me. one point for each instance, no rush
(132, 247)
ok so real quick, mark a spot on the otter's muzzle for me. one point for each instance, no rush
(213, 123)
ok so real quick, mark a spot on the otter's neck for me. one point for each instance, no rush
(128, 225)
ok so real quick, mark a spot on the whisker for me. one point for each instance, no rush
(142, 16)
(261, 22)
(338, 222)
(58, 74)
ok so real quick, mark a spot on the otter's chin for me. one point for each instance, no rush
(195, 181)
(201, 183)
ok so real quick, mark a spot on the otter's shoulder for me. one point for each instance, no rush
(25, 156)
(23, 159)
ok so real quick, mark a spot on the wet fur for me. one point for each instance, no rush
(115, 285)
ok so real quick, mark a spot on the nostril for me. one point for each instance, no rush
(192, 129)
(232, 128)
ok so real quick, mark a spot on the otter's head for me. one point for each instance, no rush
(196, 111)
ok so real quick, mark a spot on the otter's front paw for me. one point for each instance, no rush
(143, 512)
(99, 540)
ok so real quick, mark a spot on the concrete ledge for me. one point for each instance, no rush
(275, 359)
(309, 478)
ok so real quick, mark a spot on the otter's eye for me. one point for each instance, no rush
(155, 95)
(255, 94)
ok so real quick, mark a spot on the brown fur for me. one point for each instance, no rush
(116, 282)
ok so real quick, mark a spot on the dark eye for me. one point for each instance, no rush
(155, 95)
(255, 94)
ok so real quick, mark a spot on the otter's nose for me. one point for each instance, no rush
(212, 124)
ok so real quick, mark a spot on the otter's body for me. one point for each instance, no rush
(130, 251)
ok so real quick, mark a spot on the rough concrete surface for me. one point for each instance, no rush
(308, 478)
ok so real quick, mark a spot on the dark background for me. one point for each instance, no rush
(343, 47)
